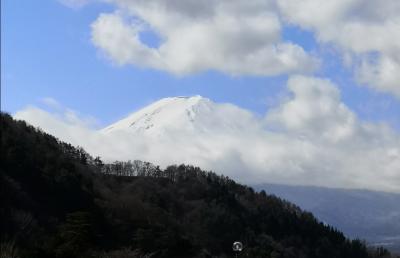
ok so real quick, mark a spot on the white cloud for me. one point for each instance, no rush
(316, 111)
(367, 29)
(243, 37)
(51, 103)
(75, 3)
(311, 138)
(382, 73)
(66, 125)
(234, 37)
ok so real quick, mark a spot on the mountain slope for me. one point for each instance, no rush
(57, 201)
(194, 115)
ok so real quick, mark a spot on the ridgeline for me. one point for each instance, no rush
(58, 201)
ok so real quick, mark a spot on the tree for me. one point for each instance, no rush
(75, 235)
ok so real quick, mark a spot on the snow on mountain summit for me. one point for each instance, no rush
(182, 114)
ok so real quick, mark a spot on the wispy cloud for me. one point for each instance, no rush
(51, 102)
(75, 3)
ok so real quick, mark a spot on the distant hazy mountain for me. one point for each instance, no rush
(373, 216)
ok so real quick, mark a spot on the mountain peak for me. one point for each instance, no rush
(179, 111)
(189, 97)
(188, 100)
(183, 115)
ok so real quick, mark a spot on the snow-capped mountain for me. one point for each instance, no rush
(289, 145)
(293, 143)
(230, 140)
(184, 114)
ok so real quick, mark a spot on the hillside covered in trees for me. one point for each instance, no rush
(58, 201)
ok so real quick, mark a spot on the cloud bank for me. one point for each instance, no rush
(234, 37)
(245, 37)
(311, 138)
(366, 31)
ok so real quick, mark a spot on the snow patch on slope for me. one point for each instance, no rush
(193, 115)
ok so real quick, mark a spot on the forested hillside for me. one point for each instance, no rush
(58, 201)
(372, 215)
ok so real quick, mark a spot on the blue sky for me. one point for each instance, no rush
(47, 52)
(323, 81)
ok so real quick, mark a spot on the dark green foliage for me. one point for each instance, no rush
(57, 201)
(75, 235)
